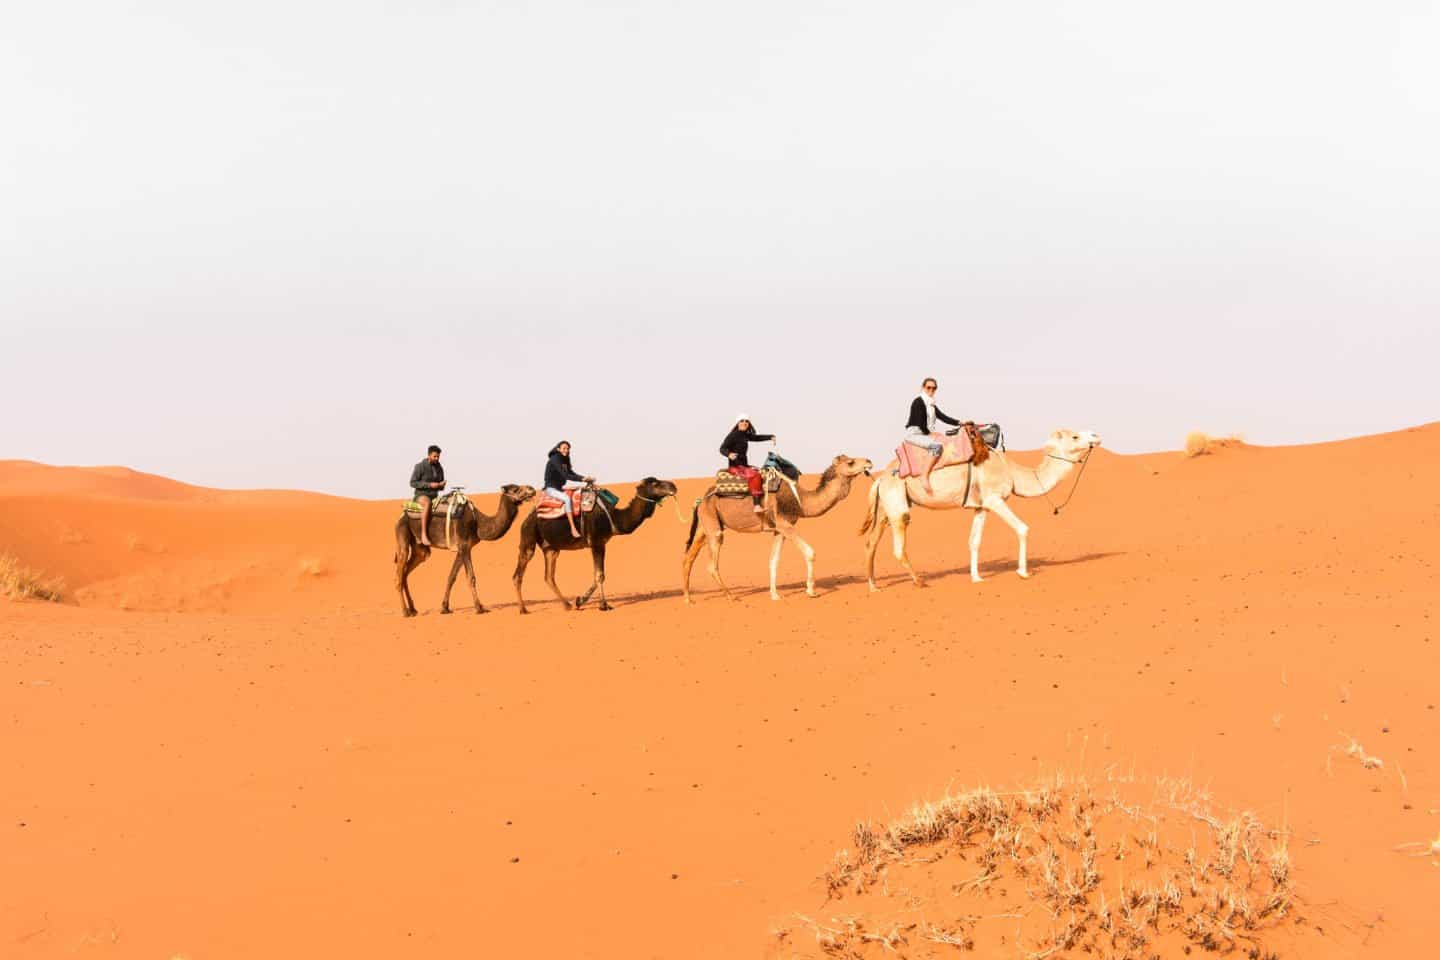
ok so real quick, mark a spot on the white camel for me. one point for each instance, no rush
(983, 489)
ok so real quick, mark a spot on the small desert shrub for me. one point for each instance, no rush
(19, 582)
(1198, 443)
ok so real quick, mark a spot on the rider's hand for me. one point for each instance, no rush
(732, 456)
(439, 485)
(589, 479)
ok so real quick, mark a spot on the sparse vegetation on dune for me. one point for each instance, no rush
(1121, 868)
(1199, 443)
(19, 582)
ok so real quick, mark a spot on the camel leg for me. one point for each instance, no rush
(402, 573)
(552, 558)
(696, 545)
(787, 531)
(470, 574)
(597, 555)
(715, 543)
(527, 551)
(872, 543)
(455, 566)
(900, 528)
(418, 554)
(1003, 511)
(776, 542)
(977, 528)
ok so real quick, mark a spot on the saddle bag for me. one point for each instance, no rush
(993, 436)
(776, 462)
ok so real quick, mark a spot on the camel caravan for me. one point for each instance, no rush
(941, 463)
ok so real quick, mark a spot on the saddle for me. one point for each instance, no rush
(438, 508)
(967, 444)
(582, 501)
(729, 484)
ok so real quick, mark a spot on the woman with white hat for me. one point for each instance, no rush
(736, 448)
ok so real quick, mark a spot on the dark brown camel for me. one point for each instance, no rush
(552, 536)
(468, 528)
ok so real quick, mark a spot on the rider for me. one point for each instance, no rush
(920, 426)
(426, 482)
(557, 473)
(735, 448)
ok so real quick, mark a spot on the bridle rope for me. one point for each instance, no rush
(1083, 461)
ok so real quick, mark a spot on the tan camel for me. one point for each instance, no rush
(983, 489)
(714, 515)
(467, 528)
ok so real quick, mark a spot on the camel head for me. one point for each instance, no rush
(518, 492)
(851, 466)
(1071, 444)
(652, 489)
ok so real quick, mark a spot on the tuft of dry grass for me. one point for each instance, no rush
(1198, 443)
(19, 582)
(1114, 869)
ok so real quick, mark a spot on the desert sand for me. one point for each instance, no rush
(227, 743)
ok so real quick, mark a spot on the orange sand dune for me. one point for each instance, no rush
(231, 745)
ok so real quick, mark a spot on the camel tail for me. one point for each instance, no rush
(872, 510)
(694, 525)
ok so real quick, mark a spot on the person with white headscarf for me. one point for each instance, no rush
(736, 449)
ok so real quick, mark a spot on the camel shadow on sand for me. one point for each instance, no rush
(826, 585)
(831, 584)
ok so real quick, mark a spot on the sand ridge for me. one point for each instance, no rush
(260, 757)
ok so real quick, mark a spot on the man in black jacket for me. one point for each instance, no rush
(736, 449)
(920, 426)
(426, 482)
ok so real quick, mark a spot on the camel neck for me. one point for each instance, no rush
(830, 491)
(1040, 479)
(634, 513)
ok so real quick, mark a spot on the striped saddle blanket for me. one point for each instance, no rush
(582, 500)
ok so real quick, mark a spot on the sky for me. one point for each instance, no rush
(292, 244)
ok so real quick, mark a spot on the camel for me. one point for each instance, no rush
(467, 528)
(983, 489)
(714, 515)
(598, 526)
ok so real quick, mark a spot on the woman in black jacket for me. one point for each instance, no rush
(558, 472)
(920, 426)
(736, 449)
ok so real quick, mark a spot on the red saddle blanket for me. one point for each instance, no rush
(914, 461)
(581, 500)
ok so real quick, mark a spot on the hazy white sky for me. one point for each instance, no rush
(226, 229)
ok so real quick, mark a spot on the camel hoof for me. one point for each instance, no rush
(606, 608)
(445, 610)
(974, 579)
(774, 596)
(524, 612)
(1023, 574)
(811, 593)
(874, 589)
(408, 613)
(480, 610)
(921, 584)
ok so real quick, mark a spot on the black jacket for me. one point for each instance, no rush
(917, 416)
(558, 471)
(737, 441)
(424, 474)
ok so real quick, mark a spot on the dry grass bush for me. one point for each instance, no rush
(1123, 868)
(19, 582)
(1198, 443)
